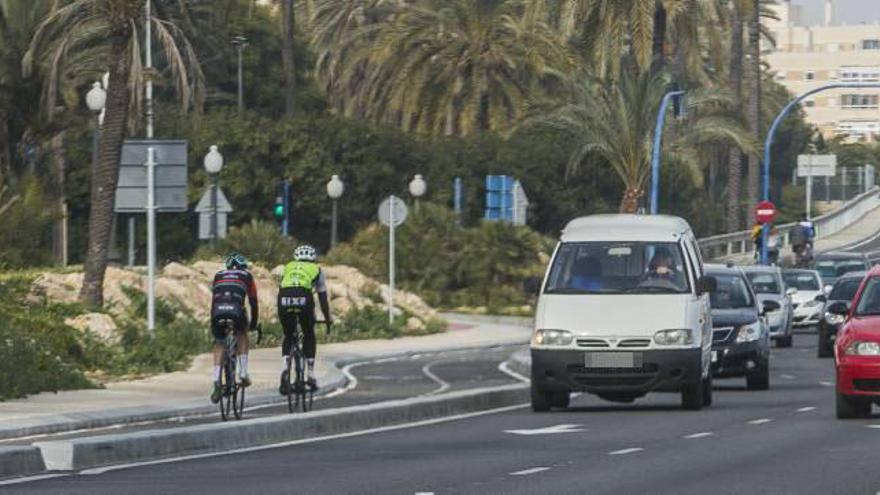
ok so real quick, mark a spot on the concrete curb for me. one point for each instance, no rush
(20, 461)
(82, 453)
(520, 321)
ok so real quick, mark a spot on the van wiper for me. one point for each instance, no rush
(646, 289)
(571, 290)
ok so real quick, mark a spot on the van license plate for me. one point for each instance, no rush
(613, 360)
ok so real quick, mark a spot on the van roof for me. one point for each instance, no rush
(621, 227)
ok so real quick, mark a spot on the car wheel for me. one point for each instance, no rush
(692, 395)
(849, 408)
(561, 399)
(759, 377)
(540, 399)
(825, 348)
(785, 341)
(707, 391)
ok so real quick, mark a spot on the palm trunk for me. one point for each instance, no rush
(106, 174)
(59, 236)
(630, 201)
(658, 57)
(734, 163)
(753, 91)
(287, 19)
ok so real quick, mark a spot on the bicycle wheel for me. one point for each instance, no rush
(291, 397)
(225, 402)
(238, 401)
(300, 383)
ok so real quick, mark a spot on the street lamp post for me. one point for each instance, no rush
(417, 188)
(240, 42)
(335, 189)
(96, 98)
(213, 163)
(655, 153)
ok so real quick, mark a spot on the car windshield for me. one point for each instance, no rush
(837, 268)
(869, 301)
(618, 268)
(764, 283)
(801, 280)
(732, 292)
(845, 290)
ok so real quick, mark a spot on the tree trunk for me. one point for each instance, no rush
(753, 108)
(59, 234)
(734, 163)
(106, 174)
(658, 56)
(288, 22)
(630, 201)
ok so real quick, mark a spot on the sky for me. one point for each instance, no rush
(845, 11)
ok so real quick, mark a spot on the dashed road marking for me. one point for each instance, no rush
(702, 434)
(631, 450)
(806, 409)
(526, 472)
(876, 427)
(826, 384)
(759, 421)
(787, 377)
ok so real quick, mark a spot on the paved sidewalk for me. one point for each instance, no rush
(186, 392)
(864, 229)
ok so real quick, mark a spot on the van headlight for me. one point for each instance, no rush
(552, 337)
(863, 349)
(834, 319)
(677, 336)
(748, 333)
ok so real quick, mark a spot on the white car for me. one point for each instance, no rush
(808, 284)
(623, 311)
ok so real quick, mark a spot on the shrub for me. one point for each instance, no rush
(258, 241)
(27, 227)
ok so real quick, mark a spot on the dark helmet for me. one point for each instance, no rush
(236, 261)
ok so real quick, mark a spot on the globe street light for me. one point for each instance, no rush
(417, 188)
(213, 163)
(335, 189)
(96, 98)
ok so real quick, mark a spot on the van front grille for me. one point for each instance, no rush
(592, 343)
(630, 343)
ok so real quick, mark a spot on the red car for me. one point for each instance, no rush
(857, 350)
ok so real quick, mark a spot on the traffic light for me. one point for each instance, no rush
(279, 209)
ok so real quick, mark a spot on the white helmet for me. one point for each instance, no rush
(305, 253)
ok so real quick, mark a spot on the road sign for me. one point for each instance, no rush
(765, 212)
(204, 209)
(816, 165)
(392, 207)
(170, 176)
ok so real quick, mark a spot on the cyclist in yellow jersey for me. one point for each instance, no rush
(302, 278)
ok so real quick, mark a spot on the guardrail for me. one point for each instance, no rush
(830, 223)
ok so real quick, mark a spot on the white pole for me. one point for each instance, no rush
(809, 194)
(148, 64)
(151, 240)
(391, 221)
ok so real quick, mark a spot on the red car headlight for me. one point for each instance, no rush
(863, 349)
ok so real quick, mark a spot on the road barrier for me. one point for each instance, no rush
(20, 461)
(724, 245)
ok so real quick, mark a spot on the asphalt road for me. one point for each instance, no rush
(374, 381)
(785, 440)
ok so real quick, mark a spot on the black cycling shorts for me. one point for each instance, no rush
(227, 310)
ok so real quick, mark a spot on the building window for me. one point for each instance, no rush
(858, 101)
(858, 130)
(870, 44)
(859, 74)
(809, 103)
(809, 75)
(780, 76)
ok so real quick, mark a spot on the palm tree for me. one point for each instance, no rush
(452, 67)
(615, 121)
(104, 35)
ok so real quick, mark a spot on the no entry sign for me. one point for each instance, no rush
(765, 212)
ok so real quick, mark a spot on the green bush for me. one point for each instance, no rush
(451, 265)
(27, 227)
(259, 242)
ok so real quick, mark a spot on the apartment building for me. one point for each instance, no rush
(807, 57)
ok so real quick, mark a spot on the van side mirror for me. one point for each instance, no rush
(839, 308)
(791, 291)
(706, 285)
(769, 307)
(532, 286)
(827, 289)
(821, 298)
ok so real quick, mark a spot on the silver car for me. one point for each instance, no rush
(768, 284)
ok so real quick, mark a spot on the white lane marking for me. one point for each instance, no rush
(759, 421)
(876, 427)
(444, 385)
(424, 493)
(505, 369)
(702, 434)
(630, 450)
(826, 384)
(351, 381)
(28, 479)
(806, 409)
(548, 430)
(382, 429)
(787, 377)
(526, 472)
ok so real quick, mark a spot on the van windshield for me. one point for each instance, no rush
(618, 268)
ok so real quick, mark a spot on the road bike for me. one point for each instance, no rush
(299, 395)
(232, 398)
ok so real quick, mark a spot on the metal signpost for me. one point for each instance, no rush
(392, 213)
(810, 166)
(206, 209)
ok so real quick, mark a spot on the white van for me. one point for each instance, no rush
(623, 311)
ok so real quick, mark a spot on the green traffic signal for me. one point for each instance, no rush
(279, 211)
